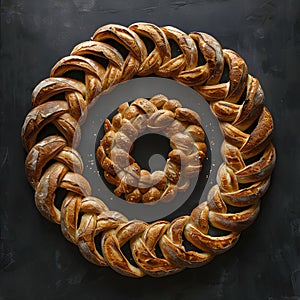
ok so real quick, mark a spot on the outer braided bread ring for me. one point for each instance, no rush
(53, 163)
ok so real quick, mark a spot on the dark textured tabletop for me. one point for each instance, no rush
(36, 262)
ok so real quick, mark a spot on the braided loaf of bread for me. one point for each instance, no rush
(53, 163)
(167, 117)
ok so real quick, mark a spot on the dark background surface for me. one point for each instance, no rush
(36, 262)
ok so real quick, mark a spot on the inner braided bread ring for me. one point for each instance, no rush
(167, 117)
(53, 164)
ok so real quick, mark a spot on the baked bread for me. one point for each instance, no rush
(165, 117)
(53, 163)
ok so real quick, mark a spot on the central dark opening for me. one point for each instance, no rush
(150, 149)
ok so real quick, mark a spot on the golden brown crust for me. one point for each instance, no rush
(38, 118)
(260, 137)
(161, 54)
(123, 35)
(212, 71)
(52, 162)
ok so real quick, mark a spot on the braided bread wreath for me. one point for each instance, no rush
(163, 116)
(52, 163)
